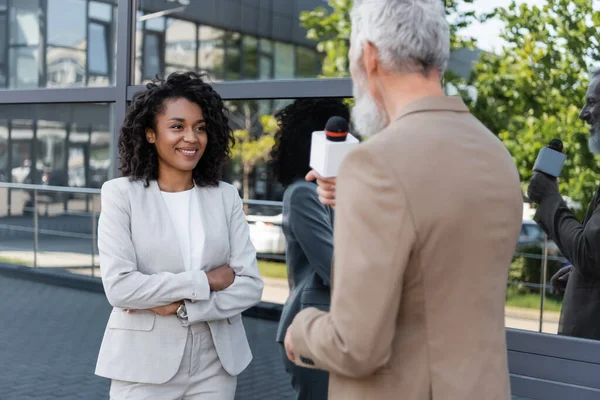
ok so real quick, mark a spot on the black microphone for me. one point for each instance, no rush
(336, 129)
(329, 147)
(551, 159)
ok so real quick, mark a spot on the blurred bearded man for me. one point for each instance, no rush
(579, 242)
(428, 213)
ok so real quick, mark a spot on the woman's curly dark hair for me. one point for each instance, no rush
(139, 159)
(290, 156)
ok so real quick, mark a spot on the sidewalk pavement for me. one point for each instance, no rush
(275, 291)
(50, 336)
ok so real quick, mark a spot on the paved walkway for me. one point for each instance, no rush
(49, 340)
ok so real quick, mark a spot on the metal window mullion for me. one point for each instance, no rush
(87, 42)
(276, 89)
(42, 74)
(126, 12)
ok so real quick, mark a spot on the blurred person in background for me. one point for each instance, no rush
(428, 214)
(175, 253)
(579, 242)
(307, 225)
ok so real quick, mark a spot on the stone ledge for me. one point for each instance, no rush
(59, 277)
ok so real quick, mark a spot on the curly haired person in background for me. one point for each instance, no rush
(307, 225)
(175, 253)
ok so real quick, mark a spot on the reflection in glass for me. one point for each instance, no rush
(57, 43)
(250, 64)
(65, 67)
(23, 66)
(180, 51)
(66, 28)
(98, 51)
(225, 46)
(56, 144)
(100, 11)
(211, 54)
(284, 61)
(154, 23)
(24, 23)
(265, 66)
(152, 59)
(233, 61)
(307, 62)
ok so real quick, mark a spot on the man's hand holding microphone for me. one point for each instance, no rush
(544, 184)
(326, 189)
(328, 150)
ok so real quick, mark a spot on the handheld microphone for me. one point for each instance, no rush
(551, 159)
(336, 129)
(330, 147)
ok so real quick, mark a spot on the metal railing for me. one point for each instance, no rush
(93, 213)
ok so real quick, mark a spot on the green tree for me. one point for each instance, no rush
(250, 150)
(331, 29)
(532, 90)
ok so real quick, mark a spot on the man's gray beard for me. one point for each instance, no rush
(594, 140)
(369, 118)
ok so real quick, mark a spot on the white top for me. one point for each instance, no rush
(185, 216)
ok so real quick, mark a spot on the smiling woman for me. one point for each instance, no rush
(179, 113)
(170, 335)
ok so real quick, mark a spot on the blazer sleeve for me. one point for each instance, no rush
(312, 228)
(246, 289)
(374, 237)
(579, 243)
(124, 285)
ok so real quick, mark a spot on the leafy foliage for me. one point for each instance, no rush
(532, 90)
(331, 29)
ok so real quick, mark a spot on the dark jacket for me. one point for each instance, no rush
(580, 243)
(308, 230)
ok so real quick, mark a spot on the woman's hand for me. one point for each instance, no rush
(169, 309)
(220, 278)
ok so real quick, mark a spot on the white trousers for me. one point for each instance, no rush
(200, 375)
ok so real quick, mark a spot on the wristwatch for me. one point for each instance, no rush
(182, 313)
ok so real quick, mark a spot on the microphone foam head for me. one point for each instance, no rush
(556, 144)
(336, 129)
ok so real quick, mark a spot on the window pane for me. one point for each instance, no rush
(211, 55)
(154, 23)
(24, 22)
(50, 144)
(306, 62)
(23, 64)
(98, 49)
(181, 44)
(250, 65)
(284, 61)
(66, 67)
(243, 23)
(66, 28)
(101, 11)
(78, 52)
(233, 43)
(152, 54)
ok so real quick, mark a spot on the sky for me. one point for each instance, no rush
(488, 33)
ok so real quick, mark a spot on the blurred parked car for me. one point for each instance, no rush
(266, 233)
(532, 235)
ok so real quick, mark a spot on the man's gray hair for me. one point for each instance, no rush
(410, 35)
(595, 72)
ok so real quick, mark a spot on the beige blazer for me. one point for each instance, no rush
(427, 218)
(142, 267)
